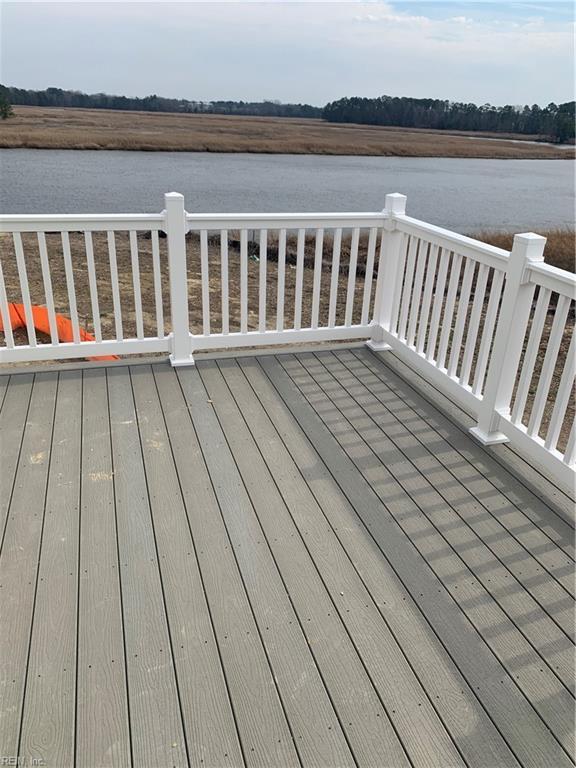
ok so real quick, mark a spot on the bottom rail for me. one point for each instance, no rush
(69, 350)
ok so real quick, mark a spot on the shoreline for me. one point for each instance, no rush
(270, 152)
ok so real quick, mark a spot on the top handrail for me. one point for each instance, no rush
(213, 221)
(25, 222)
(467, 246)
(197, 221)
(556, 279)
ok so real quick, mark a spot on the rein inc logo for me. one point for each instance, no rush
(21, 760)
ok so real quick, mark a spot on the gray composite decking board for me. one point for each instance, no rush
(317, 732)
(206, 709)
(470, 727)
(264, 732)
(102, 724)
(156, 727)
(387, 438)
(19, 556)
(552, 700)
(12, 421)
(371, 737)
(526, 733)
(48, 719)
(513, 476)
(557, 557)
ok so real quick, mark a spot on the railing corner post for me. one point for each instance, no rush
(175, 216)
(508, 339)
(387, 271)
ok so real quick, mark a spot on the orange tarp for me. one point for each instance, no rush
(42, 324)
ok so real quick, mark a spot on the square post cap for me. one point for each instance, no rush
(395, 203)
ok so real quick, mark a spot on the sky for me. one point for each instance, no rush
(479, 51)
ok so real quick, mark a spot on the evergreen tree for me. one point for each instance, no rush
(6, 110)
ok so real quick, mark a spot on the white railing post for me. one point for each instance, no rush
(387, 271)
(508, 338)
(176, 233)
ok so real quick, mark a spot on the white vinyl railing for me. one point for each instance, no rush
(49, 261)
(313, 292)
(492, 329)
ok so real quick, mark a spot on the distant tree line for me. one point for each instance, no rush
(556, 121)
(57, 97)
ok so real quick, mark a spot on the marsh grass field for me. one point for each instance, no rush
(69, 128)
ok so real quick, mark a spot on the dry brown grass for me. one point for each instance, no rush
(58, 128)
(560, 248)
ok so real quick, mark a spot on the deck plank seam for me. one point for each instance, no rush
(346, 630)
(201, 575)
(38, 561)
(242, 580)
(78, 573)
(16, 465)
(476, 536)
(159, 569)
(4, 392)
(507, 673)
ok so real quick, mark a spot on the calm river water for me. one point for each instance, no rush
(461, 194)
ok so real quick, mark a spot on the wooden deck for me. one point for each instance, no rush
(291, 560)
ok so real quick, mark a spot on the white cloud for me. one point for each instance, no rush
(391, 18)
(302, 51)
